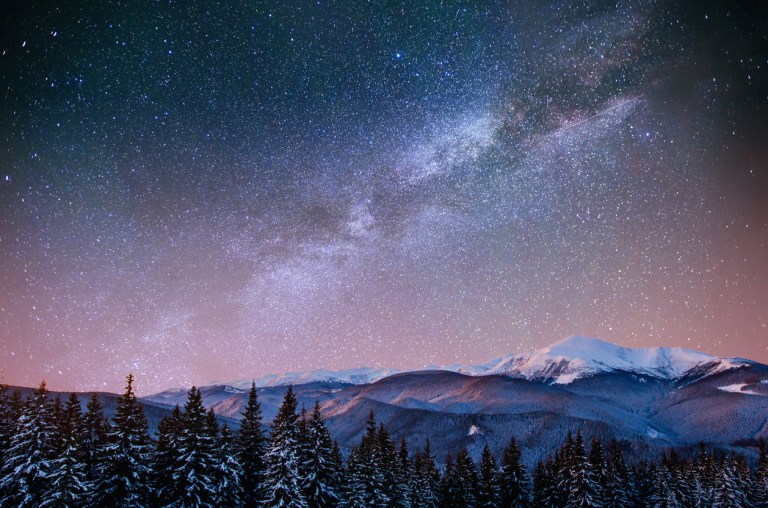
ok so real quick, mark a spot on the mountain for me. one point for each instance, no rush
(563, 362)
(358, 376)
(578, 357)
(652, 398)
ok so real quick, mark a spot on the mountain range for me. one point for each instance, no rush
(649, 399)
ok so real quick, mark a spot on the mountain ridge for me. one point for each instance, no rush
(562, 362)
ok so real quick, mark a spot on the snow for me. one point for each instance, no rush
(358, 376)
(577, 357)
(738, 388)
(474, 430)
(563, 362)
(653, 433)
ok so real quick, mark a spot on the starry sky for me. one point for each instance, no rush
(196, 191)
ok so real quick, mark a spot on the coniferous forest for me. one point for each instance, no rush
(52, 454)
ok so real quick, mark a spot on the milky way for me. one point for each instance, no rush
(195, 191)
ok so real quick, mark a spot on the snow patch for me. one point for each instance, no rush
(474, 430)
(653, 433)
(738, 388)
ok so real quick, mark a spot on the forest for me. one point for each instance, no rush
(54, 454)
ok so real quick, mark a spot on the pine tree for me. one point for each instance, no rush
(29, 458)
(582, 489)
(619, 491)
(229, 490)
(195, 476)
(95, 439)
(369, 466)
(727, 491)
(448, 493)
(513, 479)
(425, 480)
(320, 480)
(283, 483)
(354, 493)
(166, 459)
(600, 470)
(251, 445)
(542, 486)
(489, 492)
(467, 477)
(124, 476)
(67, 481)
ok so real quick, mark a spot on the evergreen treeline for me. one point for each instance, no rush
(53, 455)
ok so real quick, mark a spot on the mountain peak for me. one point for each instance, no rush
(562, 362)
(578, 356)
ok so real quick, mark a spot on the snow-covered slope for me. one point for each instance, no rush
(561, 363)
(359, 376)
(577, 357)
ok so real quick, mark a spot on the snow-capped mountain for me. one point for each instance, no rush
(578, 357)
(658, 396)
(358, 376)
(573, 358)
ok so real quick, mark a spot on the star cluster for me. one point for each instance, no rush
(193, 191)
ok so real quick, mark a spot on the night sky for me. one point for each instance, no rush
(196, 191)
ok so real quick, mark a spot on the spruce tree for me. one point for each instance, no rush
(195, 476)
(489, 492)
(620, 491)
(599, 467)
(467, 477)
(166, 459)
(29, 458)
(370, 466)
(95, 439)
(513, 478)
(283, 483)
(320, 473)
(583, 490)
(124, 475)
(251, 446)
(67, 481)
(229, 490)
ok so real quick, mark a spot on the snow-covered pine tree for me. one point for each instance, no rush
(320, 474)
(29, 458)
(389, 465)
(466, 473)
(425, 479)
(488, 492)
(283, 483)
(514, 484)
(645, 478)
(599, 467)
(67, 481)
(448, 490)
(124, 475)
(229, 490)
(727, 491)
(197, 468)
(251, 446)
(620, 491)
(744, 478)
(7, 421)
(166, 459)
(95, 430)
(761, 476)
(540, 495)
(369, 465)
(583, 490)
(353, 487)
